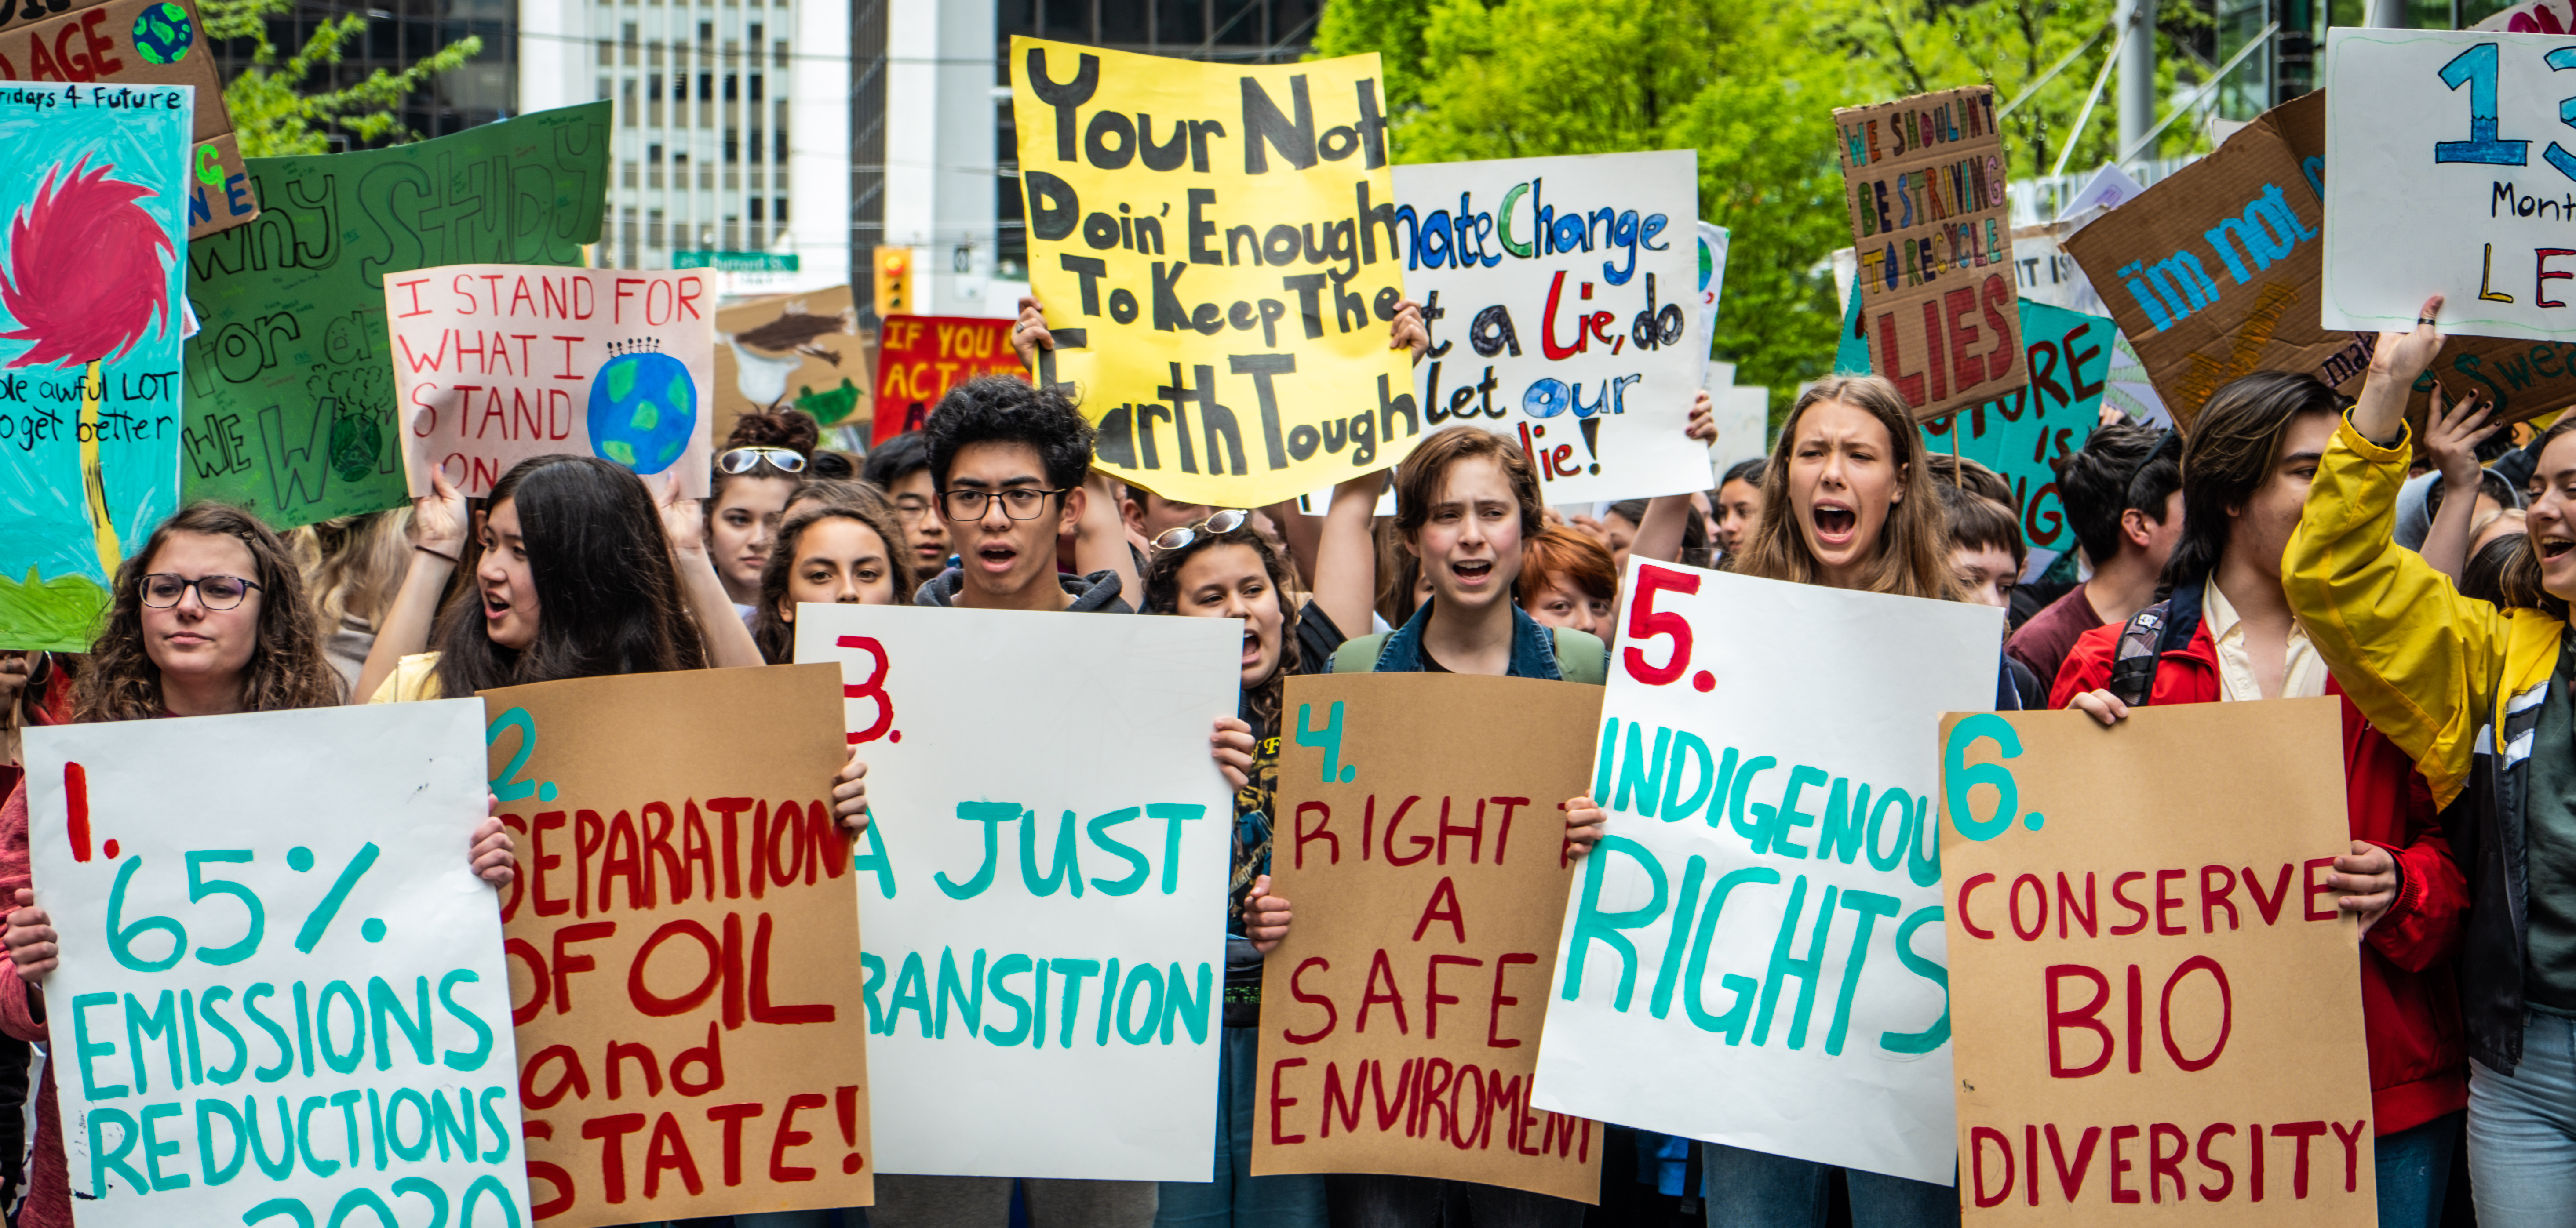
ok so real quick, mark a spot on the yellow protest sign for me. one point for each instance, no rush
(1216, 247)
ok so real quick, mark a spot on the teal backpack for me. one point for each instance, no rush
(1580, 656)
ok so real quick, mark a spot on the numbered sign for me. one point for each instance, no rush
(1045, 890)
(1753, 954)
(2154, 999)
(282, 999)
(2449, 170)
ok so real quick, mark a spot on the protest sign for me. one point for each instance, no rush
(2070, 356)
(1356, 1074)
(2046, 274)
(795, 351)
(1268, 369)
(684, 959)
(921, 357)
(2088, 884)
(114, 52)
(1580, 318)
(993, 1043)
(290, 402)
(1752, 955)
(1713, 242)
(94, 206)
(2434, 183)
(1923, 179)
(495, 363)
(2533, 16)
(320, 950)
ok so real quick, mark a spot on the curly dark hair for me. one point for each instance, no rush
(608, 596)
(2121, 466)
(1163, 593)
(287, 668)
(1007, 409)
(861, 503)
(896, 459)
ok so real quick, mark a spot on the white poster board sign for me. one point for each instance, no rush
(2445, 174)
(1753, 955)
(270, 932)
(1569, 314)
(1048, 825)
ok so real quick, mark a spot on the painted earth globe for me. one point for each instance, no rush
(643, 411)
(163, 33)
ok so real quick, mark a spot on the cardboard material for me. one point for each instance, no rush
(1752, 955)
(307, 930)
(1561, 295)
(290, 402)
(921, 357)
(92, 223)
(1220, 298)
(1025, 857)
(795, 350)
(1416, 974)
(495, 363)
(1923, 180)
(2088, 883)
(684, 958)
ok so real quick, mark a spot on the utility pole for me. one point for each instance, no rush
(2386, 14)
(2137, 68)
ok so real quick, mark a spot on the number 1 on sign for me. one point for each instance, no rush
(2476, 68)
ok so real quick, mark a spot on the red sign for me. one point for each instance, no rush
(921, 357)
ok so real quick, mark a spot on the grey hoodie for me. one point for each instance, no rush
(1094, 593)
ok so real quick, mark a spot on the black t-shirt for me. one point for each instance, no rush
(1317, 639)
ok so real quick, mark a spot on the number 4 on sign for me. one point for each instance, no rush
(1328, 740)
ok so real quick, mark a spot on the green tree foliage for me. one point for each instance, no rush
(1753, 89)
(276, 107)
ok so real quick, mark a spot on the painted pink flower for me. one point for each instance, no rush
(88, 270)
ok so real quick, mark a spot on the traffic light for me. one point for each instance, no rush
(894, 281)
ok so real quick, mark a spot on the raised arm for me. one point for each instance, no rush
(438, 543)
(2400, 357)
(729, 642)
(1659, 535)
(2451, 438)
(1345, 581)
(1100, 538)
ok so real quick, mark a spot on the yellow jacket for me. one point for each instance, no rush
(2431, 668)
(415, 678)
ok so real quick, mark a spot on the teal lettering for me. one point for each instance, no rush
(304, 1141)
(1843, 834)
(1904, 805)
(992, 815)
(1191, 1010)
(1173, 815)
(84, 1049)
(154, 1149)
(1869, 907)
(1687, 748)
(1757, 834)
(911, 992)
(241, 1052)
(875, 861)
(1938, 1034)
(500, 1134)
(284, 1166)
(340, 991)
(411, 1152)
(872, 973)
(969, 1005)
(1139, 869)
(1067, 867)
(1731, 1024)
(383, 1001)
(1685, 902)
(1073, 971)
(276, 1033)
(217, 1173)
(102, 1159)
(1327, 739)
(1592, 924)
(161, 1021)
(1603, 760)
(1023, 1019)
(462, 1059)
(1149, 978)
(1643, 783)
(458, 1125)
(1789, 816)
(1805, 970)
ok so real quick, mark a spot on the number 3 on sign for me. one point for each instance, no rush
(2477, 68)
(873, 688)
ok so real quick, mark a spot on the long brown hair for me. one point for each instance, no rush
(287, 668)
(608, 596)
(861, 503)
(1914, 542)
(1163, 592)
(2520, 578)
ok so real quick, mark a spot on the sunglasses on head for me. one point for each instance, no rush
(744, 460)
(1217, 525)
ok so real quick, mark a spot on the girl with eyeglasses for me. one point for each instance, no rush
(763, 462)
(209, 618)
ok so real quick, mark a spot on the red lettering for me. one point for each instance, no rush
(669, 1150)
(1279, 1137)
(2012, 900)
(2071, 1182)
(789, 1136)
(2302, 1131)
(1431, 995)
(1369, 996)
(732, 1115)
(611, 1131)
(574, 1080)
(2226, 1175)
(761, 1010)
(567, 964)
(2351, 1141)
(655, 1005)
(1494, 1015)
(1431, 911)
(2120, 895)
(1297, 990)
(2226, 1013)
(2215, 897)
(2161, 1166)
(521, 948)
(2270, 906)
(548, 904)
(2166, 903)
(1978, 1137)
(1965, 889)
(2086, 1017)
(1304, 836)
(2119, 1192)
(2308, 880)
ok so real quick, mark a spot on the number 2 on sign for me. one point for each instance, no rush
(872, 688)
(2478, 69)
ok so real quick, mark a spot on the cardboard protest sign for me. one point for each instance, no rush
(114, 52)
(1356, 1074)
(1075, 981)
(684, 961)
(290, 397)
(94, 211)
(1573, 285)
(1923, 179)
(2533, 16)
(2088, 883)
(921, 357)
(1752, 955)
(495, 363)
(2070, 356)
(322, 953)
(2440, 177)
(2046, 274)
(1267, 369)
(795, 350)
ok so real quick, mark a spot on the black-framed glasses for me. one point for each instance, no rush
(162, 590)
(910, 508)
(1217, 525)
(744, 460)
(1018, 503)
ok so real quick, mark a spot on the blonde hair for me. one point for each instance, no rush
(355, 564)
(1913, 546)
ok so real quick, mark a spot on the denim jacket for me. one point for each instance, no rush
(1533, 648)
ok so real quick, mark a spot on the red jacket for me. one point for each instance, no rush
(2410, 1007)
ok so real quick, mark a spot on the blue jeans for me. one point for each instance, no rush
(2415, 1171)
(1754, 1189)
(2522, 1130)
(1234, 1196)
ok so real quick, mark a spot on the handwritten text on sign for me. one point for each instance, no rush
(2154, 1000)
(496, 363)
(922, 357)
(323, 957)
(1753, 954)
(1046, 928)
(1215, 247)
(684, 960)
(1428, 882)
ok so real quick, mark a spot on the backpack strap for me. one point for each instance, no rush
(2141, 643)
(1581, 657)
(1359, 656)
